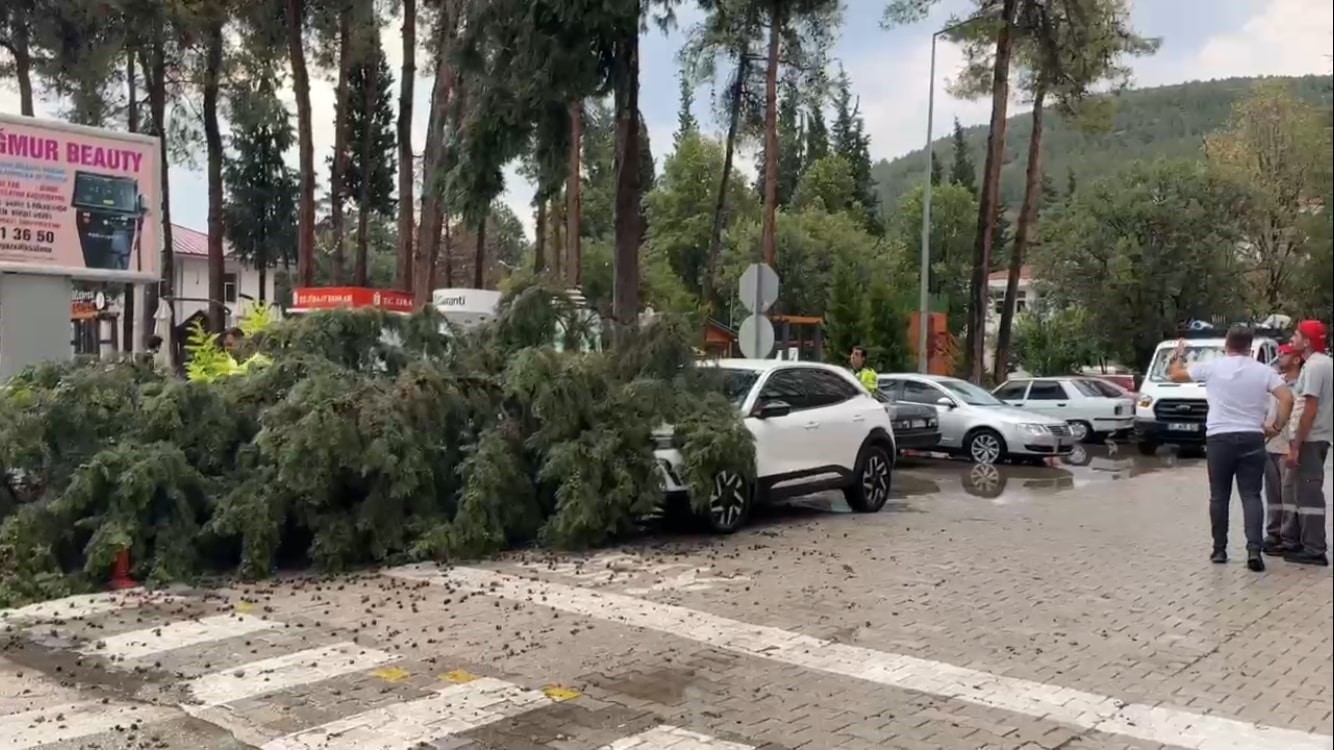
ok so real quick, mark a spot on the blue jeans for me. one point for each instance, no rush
(1240, 456)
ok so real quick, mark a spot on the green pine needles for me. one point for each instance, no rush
(364, 439)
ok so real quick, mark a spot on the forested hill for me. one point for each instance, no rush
(1166, 121)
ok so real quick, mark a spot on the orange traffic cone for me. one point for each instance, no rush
(120, 572)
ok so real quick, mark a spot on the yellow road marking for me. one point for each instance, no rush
(559, 693)
(459, 676)
(392, 674)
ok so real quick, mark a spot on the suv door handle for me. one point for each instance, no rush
(812, 425)
(859, 417)
(1060, 404)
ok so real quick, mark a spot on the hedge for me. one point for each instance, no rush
(349, 438)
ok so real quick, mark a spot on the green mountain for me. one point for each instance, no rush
(1167, 121)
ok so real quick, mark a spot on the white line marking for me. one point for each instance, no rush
(282, 672)
(83, 605)
(139, 643)
(72, 721)
(1164, 725)
(672, 738)
(402, 726)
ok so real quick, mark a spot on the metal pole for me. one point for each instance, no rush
(924, 291)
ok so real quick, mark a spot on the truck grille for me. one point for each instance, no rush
(1059, 430)
(1181, 410)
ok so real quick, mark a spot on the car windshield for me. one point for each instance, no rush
(1194, 355)
(735, 384)
(969, 393)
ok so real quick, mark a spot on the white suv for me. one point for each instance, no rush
(816, 428)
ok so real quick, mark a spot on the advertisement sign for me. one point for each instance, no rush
(76, 201)
(309, 299)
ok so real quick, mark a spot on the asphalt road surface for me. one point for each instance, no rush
(1070, 607)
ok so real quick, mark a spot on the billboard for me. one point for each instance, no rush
(79, 202)
(311, 299)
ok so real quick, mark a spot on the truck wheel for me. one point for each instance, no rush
(1148, 448)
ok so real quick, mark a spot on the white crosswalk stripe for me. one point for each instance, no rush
(453, 710)
(673, 738)
(283, 672)
(140, 643)
(218, 697)
(71, 721)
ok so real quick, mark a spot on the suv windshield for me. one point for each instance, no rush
(735, 384)
(1194, 355)
(969, 393)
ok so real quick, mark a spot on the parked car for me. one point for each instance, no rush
(916, 426)
(1122, 382)
(1083, 403)
(975, 424)
(815, 427)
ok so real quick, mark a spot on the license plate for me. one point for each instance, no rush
(1183, 427)
(918, 423)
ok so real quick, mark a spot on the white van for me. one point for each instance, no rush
(468, 308)
(1170, 413)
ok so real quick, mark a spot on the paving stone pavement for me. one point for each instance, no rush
(1017, 608)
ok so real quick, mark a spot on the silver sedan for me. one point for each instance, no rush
(977, 425)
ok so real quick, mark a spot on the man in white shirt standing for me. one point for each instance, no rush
(1237, 388)
(1308, 446)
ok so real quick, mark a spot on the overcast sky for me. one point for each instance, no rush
(1202, 40)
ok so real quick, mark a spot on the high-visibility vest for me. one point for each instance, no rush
(869, 378)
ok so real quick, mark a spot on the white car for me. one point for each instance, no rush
(975, 424)
(1092, 408)
(816, 428)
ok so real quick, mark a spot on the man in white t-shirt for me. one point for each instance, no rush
(1308, 446)
(1237, 388)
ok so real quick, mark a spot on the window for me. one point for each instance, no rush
(1021, 301)
(1046, 390)
(826, 388)
(970, 394)
(920, 393)
(786, 386)
(1195, 355)
(1087, 388)
(1013, 391)
(1108, 390)
(891, 388)
(229, 287)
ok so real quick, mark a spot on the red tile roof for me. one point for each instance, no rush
(1025, 273)
(186, 241)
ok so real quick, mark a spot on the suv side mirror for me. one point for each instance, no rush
(770, 409)
(946, 402)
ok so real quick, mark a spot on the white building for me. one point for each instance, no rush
(240, 282)
(1026, 297)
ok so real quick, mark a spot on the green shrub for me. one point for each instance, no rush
(365, 439)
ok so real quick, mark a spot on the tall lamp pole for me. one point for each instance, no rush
(924, 289)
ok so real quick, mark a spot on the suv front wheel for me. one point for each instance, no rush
(729, 503)
(869, 490)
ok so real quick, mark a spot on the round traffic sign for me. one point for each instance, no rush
(758, 288)
(756, 337)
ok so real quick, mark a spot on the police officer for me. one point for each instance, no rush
(868, 377)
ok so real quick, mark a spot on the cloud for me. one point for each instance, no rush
(1288, 37)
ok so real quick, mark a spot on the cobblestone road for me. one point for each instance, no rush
(1034, 608)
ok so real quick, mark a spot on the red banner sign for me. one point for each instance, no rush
(334, 297)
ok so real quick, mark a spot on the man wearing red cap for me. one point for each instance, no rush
(1279, 503)
(1308, 446)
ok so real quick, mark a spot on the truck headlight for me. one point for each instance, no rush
(1145, 401)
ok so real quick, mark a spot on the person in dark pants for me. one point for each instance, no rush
(1277, 506)
(1308, 447)
(1238, 391)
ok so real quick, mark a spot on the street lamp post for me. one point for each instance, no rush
(924, 293)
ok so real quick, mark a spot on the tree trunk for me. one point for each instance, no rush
(431, 220)
(264, 281)
(359, 268)
(217, 315)
(127, 306)
(625, 258)
(155, 77)
(1027, 216)
(479, 257)
(540, 238)
(769, 235)
(305, 244)
(557, 238)
(443, 233)
(338, 175)
(574, 197)
(21, 49)
(978, 296)
(403, 264)
(729, 149)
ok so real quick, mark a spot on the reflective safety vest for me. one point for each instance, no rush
(869, 378)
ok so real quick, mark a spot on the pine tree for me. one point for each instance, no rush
(852, 143)
(261, 210)
(937, 170)
(791, 147)
(371, 166)
(685, 117)
(817, 132)
(1070, 185)
(962, 170)
(1049, 195)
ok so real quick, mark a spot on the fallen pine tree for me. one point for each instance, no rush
(346, 439)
